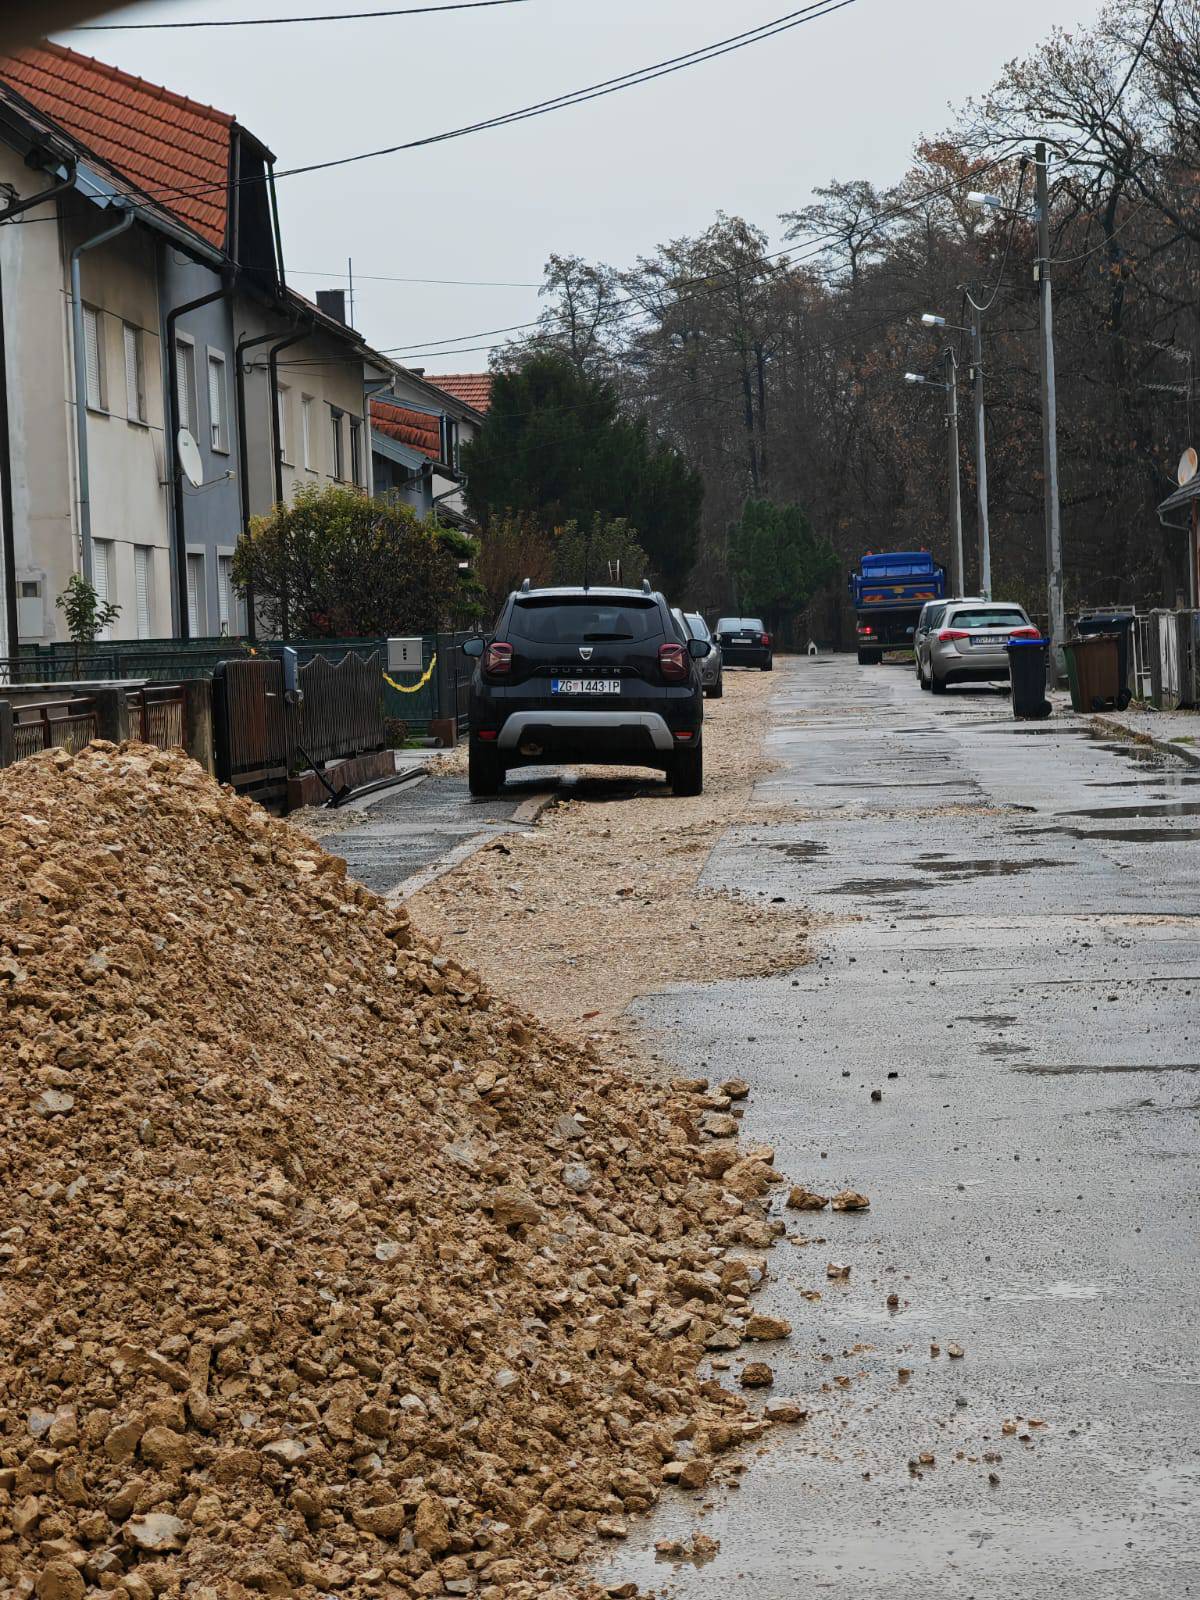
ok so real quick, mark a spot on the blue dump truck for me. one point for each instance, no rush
(887, 593)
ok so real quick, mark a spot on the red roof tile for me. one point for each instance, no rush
(160, 140)
(472, 388)
(417, 429)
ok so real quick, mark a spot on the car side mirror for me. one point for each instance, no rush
(698, 649)
(472, 647)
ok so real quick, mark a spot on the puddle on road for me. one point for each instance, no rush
(963, 870)
(1122, 835)
(1055, 1072)
(802, 850)
(1171, 808)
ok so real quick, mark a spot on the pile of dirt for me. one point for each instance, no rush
(322, 1270)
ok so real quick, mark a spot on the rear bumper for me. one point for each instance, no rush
(634, 730)
(745, 655)
(980, 668)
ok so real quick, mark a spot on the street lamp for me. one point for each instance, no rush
(951, 390)
(983, 526)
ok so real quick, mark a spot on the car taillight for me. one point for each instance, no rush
(1025, 633)
(865, 627)
(952, 633)
(765, 638)
(673, 662)
(497, 660)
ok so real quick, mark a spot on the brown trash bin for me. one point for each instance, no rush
(1094, 670)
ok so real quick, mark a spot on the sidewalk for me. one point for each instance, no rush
(1175, 733)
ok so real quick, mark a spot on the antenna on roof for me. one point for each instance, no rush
(526, 586)
(646, 589)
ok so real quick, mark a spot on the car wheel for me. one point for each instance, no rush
(769, 664)
(864, 658)
(938, 685)
(485, 769)
(687, 771)
(717, 690)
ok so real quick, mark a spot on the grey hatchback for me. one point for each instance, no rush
(968, 645)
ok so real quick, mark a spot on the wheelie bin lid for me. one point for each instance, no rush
(1105, 621)
(1027, 644)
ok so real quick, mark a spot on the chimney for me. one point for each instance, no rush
(333, 303)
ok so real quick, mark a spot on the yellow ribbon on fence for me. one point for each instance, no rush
(412, 688)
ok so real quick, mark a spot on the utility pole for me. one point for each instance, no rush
(1054, 574)
(956, 545)
(985, 536)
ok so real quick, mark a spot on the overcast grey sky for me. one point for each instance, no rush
(750, 133)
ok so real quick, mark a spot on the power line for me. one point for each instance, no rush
(628, 80)
(1012, 228)
(375, 277)
(272, 22)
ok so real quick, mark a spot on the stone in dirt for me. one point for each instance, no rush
(299, 1305)
(756, 1375)
(784, 1411)
(760, 1327)
(850, 1200)
(802, 1199)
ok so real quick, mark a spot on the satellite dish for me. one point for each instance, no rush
(189, 458)
(1188, 463)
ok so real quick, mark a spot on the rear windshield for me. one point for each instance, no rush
(588, 620)
(990, 617)
(736, 624)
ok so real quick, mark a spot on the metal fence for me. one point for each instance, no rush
(1175, 659)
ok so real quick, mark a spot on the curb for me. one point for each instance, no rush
(1164, 747)
(526, 813)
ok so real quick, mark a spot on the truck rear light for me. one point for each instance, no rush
(673, 662)
(497, 660)
(952, 633)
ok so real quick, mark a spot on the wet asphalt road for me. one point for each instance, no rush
(1013, 932)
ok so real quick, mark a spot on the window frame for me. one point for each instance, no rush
(229, 614)
(138, 416)
(218, 424)
(356, 455)
(143, 571)
(307, 401)
(103, 563)
(93, 339)
(185, 382)
(195, 565)
(283, 423)
(338, 463)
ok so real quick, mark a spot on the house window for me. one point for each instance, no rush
(225, 594)
(135, 386)
(450, 442)
(143, 587)
(185, 360)
(337, 460)
(218, 408)
(283, 422)
(93, 357)
(356, 451)
(103, 576)
(306, 434)
(197, 619)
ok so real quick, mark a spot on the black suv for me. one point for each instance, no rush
(583, 676)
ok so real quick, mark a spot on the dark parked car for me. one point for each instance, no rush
(745, 643)
(584, 676)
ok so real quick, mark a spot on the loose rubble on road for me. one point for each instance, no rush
(602, 902)
(322, 1269)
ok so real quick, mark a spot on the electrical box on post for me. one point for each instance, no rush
(404, 655)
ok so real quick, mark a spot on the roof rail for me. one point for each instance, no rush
(646, 589)
(526, 586)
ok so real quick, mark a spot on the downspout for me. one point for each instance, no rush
(8, 543)
(81, 434)
(176, 476)
(273, 394)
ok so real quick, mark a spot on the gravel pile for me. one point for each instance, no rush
(322, 1270)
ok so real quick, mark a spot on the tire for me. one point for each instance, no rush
(717, 690)
(485, 770)
(936, 684)
(769, 664)
(864, 658)
(921, 679)
(687, 771)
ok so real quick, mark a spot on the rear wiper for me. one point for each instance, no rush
(604, 638)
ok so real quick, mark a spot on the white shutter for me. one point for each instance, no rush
(283, 424)
(91, 354)
(102, 576)
(143, 573)
(196, 597)
(133, 374)
(183, 363)
(225, 593)
(306, 430)
(216, 396)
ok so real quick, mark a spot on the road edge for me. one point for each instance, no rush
(1165, 747)
(526, 814)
